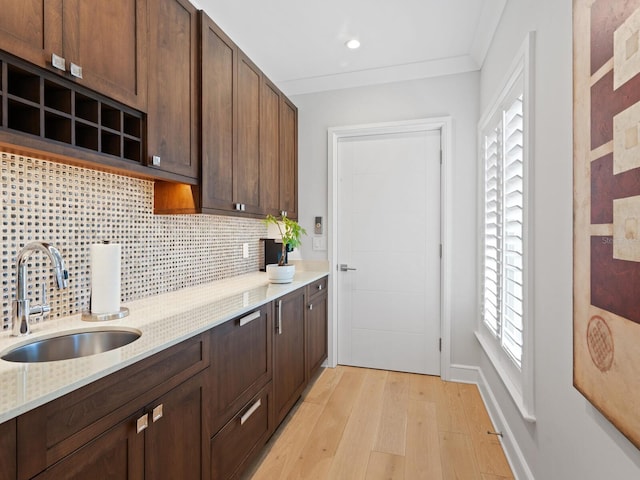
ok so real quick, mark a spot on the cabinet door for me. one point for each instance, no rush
(233, 447)
(117, 454)
(289, 352)
(270, 149)
(174, 440)
(246, 177)
(288, 158)
(218, 88)
(240, 362)
(108, 40)
(316, 333)
(173, 87)
(8, 450)
(31, 29)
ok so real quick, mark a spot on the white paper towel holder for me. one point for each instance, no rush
(103, 317)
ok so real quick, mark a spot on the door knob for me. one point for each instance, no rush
(344, 267)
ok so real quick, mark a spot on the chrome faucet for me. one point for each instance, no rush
(22, 309)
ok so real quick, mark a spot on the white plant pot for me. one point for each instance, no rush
(281, 274)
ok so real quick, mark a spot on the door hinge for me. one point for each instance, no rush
(440, 157)
(440, 250)
(440, 344)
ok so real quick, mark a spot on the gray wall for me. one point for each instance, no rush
(570, 439)
(456, 96)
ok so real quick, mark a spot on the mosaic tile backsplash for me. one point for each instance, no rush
(73, 207)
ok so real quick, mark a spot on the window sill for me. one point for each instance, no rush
(514, 391)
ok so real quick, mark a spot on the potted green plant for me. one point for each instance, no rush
(291, 233)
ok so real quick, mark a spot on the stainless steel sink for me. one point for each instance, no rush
(71, 345)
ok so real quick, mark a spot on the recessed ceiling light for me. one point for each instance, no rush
(353, 44)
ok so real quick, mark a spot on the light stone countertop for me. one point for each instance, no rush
(164, 320)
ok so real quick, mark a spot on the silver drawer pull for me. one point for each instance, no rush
(157, 413)
(76, 70)
(249, 318)
(142, 423)
(249, 412)
(311, 306)
(320, 287)
(58, 62)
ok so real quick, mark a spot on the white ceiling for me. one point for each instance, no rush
(300, 44)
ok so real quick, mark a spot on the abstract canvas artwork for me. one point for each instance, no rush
(606, 323)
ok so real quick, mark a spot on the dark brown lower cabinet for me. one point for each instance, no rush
(169, 447)
(289, 371)
(316, 334)
(240, 362)
(98, 427)
(8, 450)
(202, 409)
(175, 439)
(235, 445)
(116, 454)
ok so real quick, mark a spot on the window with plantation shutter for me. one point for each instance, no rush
(504, 259)
(512, 254)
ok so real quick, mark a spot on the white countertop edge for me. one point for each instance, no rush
(149, 315)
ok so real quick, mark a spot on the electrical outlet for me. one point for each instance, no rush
(245, 250)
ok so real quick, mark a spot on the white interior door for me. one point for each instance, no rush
(388, 237)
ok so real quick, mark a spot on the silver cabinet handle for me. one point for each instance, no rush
(279, 317)
(157, 413)
(249, 412)
(320, 287)
(249, 318)
(311, 306)
(75, 70)
(58, 62)
(142, 423)
(344, 267)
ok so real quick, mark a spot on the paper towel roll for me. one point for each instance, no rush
(105, 278)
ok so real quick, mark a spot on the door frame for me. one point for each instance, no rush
(445, 125)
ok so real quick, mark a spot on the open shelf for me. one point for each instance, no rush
(23, 84)
(23, 117)
(87, 136)
(86, 108)
(57, 127)
(57, 97)
(52, 108)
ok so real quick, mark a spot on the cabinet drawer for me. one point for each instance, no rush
(234, 446)
(52, 431)
(317, 288)
(8, 450)
(240, 362)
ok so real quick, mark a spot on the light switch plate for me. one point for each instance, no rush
(319, 244)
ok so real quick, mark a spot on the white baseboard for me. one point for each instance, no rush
(471, 374)
(512, 450)
(464, 374)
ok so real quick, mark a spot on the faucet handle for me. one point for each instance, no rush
(44, 307)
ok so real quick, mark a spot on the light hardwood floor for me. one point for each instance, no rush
(357, 423)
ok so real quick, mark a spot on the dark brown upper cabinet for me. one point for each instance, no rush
(172, 119)
(218, 59)
(103, 44)
(288, 167)
(270, 149)
(246, 169)
(248, 138)
(231, 92)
